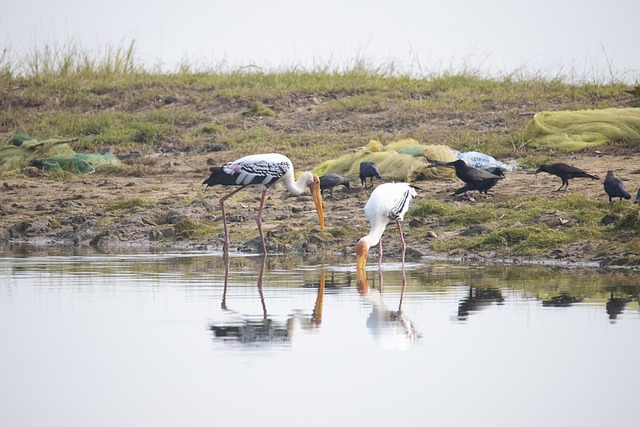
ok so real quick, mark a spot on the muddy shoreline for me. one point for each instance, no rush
(174, 211)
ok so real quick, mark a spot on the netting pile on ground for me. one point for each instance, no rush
(576, 130)
(404, 160)
(49, 155)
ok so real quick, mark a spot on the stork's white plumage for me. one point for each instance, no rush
(263, 170)
(388, 202)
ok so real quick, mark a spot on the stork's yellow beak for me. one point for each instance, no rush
(317, 199)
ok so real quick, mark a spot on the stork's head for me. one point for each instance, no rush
(314, 187)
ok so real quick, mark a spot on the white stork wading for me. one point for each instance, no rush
(388, 202)
(263, 170)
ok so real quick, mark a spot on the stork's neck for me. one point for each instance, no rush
(374, 235)
(297, 187)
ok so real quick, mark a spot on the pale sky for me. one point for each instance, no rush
(581, 40)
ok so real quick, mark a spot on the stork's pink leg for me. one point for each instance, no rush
(380, 254)
(225, 257)
(402, 240)
(259, 221)
(224, 217)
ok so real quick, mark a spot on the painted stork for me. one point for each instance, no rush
(263, 170)
(388, 202)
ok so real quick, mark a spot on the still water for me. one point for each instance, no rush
(169, 339)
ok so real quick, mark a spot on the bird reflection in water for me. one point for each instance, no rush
(615, 305)
(392, 329)
(478, 299)
(264, 330)
(562, 300)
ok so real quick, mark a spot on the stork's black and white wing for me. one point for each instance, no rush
(264, 169)
(389, 202)
(403, 197)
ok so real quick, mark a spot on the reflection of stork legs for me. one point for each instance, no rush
(363, 284)
(259, 285)
(264, 306)
(316, 317)
(225, 258)
(404, 285)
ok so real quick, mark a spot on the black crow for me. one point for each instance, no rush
(637, 197)
(614, 187)
(635, 91)
(368, 170)
(330, 180)
(475, 179)
(565, 172)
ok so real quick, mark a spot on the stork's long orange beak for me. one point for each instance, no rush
(317, 199)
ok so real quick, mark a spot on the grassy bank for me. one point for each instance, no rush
(110, 101)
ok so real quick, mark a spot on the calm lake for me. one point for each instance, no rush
(177, 339)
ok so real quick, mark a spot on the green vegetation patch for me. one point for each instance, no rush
(524, 226)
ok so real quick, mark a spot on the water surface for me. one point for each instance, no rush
(160, 340)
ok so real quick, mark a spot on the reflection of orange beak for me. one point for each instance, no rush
(317, 199)
(361, 256)
(361, 261)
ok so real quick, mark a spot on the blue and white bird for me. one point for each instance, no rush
(263, 170)
(388, 202)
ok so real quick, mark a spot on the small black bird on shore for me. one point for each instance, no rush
(635, 91)
(565, 172)
(331, 180)
(368, 170)
(614, 187)
(475, 179)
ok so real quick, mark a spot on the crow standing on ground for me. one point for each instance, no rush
(330, 180)
(565, 172)
(635, 91)
(368, 170)
(475, 179)
(614, 187)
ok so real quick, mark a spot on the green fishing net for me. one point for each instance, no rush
(51, 155)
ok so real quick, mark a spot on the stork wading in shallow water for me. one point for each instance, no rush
(388, 202)
(263, 170)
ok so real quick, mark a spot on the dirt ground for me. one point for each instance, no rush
(176, 210)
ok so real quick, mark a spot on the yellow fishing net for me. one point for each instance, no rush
(404, 160)
(576, 130)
